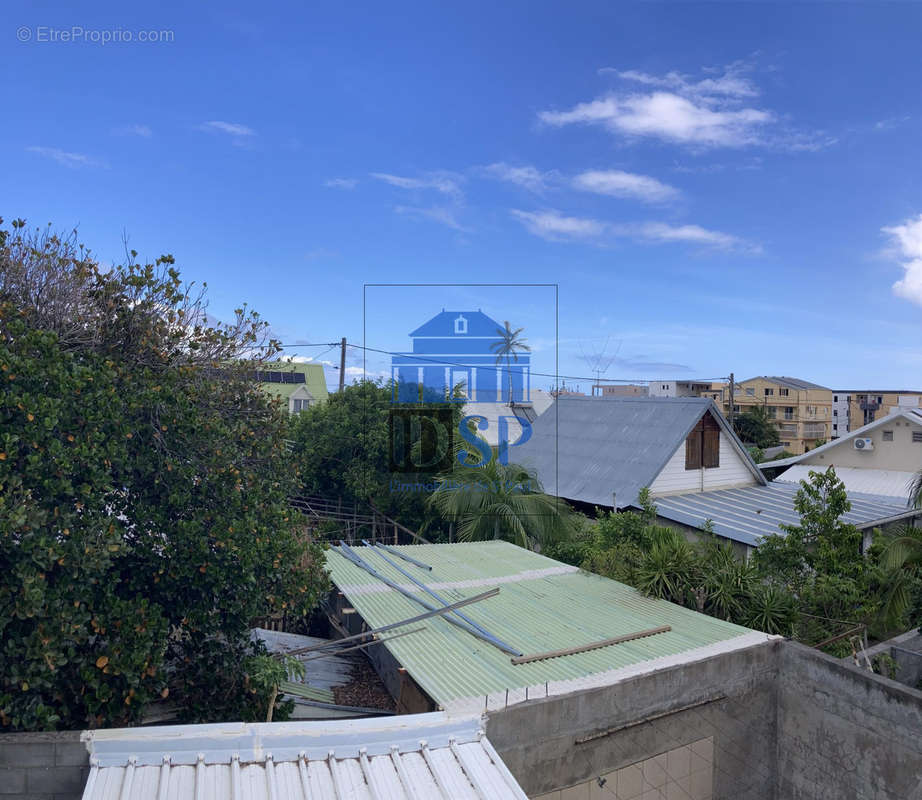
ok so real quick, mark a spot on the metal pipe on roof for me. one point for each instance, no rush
(397, 553)
(443, 601)
(627, 637)
(356, 559)
(335, 643)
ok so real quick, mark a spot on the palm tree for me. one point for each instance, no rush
(901, 560)
(501, 501)
(508, 347)
(915, 490)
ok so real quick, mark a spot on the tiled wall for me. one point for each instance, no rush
(685, 773)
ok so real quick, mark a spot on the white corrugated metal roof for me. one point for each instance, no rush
(411, 757)
(885, 482)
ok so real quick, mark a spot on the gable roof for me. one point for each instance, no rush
(314, 379)
(910, 414)
(585, 448)
(784, 380)
(443, 324)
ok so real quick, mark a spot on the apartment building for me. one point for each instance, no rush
(714, 391)
(853, 408)
(620, 390)
(801, 410)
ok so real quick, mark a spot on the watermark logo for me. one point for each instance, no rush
(77, 34)
(459, 357)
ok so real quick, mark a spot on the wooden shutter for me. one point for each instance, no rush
(710, 450)
(693, 448)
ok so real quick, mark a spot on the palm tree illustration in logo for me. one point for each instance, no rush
(507, 348)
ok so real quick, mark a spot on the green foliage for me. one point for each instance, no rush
(755, 427)
(342, 450)
(502, 501)
(143, 494)
(757, 454)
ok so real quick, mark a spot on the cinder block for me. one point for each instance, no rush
(57, 780)
(26, 754)
(71, 754)
(12, 781)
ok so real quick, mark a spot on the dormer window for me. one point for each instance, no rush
(461, 324)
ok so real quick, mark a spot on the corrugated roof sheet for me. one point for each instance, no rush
(543, 605)
(882, 482)
(747, 514)
(412, 757)
(321, 673)
(585, 448)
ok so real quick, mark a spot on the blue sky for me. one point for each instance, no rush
(714, 187)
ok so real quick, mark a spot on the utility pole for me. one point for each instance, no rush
(342, 365)
(732, 387)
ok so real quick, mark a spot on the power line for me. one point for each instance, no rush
(443, 362)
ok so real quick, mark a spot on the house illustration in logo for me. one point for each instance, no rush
(459, 347)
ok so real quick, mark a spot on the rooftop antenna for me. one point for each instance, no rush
(599, 362)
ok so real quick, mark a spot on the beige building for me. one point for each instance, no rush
(801, 410)
(864, 406)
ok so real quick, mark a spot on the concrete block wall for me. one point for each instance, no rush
(42, 766)
(730, 698)
(844, 732)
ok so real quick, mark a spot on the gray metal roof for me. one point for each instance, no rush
(785, 380)
(747, 514)
(585, 448)
(411, 757)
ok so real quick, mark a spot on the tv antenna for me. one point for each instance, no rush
(599, 361)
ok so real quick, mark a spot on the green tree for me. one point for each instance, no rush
(507, 349)
(143, 493)
(754, 426)
(343, 451)
(820, 562)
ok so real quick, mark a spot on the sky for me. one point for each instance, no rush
(711, 188)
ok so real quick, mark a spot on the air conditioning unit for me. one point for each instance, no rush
(864, 444)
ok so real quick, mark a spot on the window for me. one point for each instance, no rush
(751, 392)
(789, 412)
(835, 427)
(835, 398)
(300, 405)
(917, 436)
(772, 411)
(665, 387)
(784, 392)
(888, 436)
(835, 412)
(811, 411)
(461, 325)
(702, 447)
(769, 392)
(880, 399)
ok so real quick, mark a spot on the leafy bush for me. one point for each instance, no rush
(143, 494)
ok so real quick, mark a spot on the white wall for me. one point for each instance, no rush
(674, 478)
(900, 454)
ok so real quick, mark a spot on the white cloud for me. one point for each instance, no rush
(668, 116)
(239, 132)
(445, 182)
(134, 130)
(73, 160)
(527, 177)
(907, 239)
(692, 234)
(440, 214)
(730, 84)
(555, 226)
(341, 183)
(625, 184)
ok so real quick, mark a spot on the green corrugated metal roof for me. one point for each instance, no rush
(314, 379)
(543, 605)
